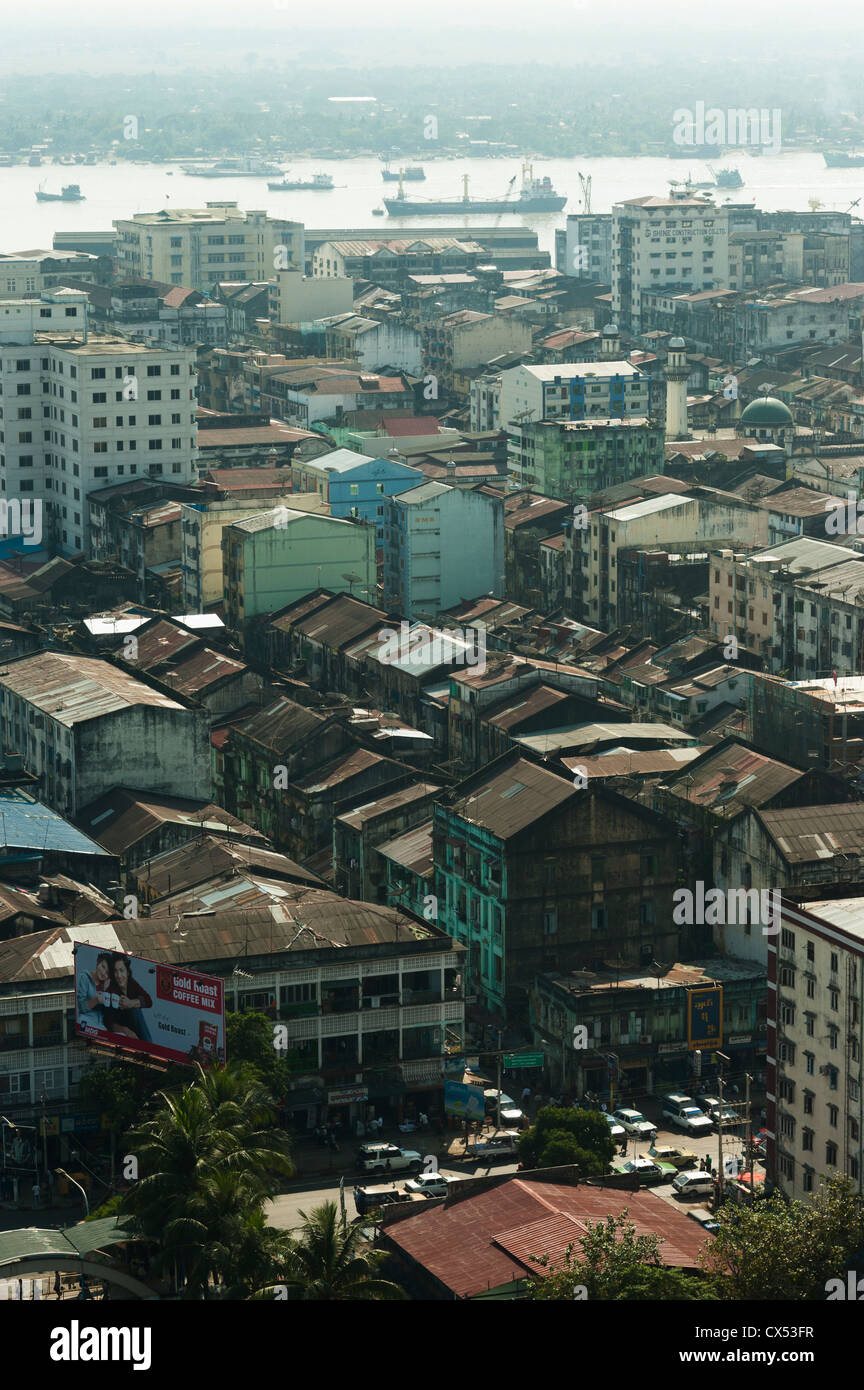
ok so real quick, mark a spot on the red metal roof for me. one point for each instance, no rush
(484, 1240)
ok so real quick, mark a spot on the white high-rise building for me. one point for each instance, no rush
(679, 241)
(80, 411)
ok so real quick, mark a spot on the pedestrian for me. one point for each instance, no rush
(763, 1115)
(624, 1147)
(37, 1193)
(526, 1096)
(380, 1123)
(387, 1166)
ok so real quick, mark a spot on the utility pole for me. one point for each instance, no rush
(498, 1097)
(747, 1080)
(721, 1177)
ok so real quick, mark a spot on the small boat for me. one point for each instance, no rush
(317, 183)
(70, 194)
(728, 178)
(377, 212)
(840, 159)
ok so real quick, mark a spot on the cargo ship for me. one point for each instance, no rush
(70, 194)
(412, 174)
(317, 182)
(839, 160)
(535, 195)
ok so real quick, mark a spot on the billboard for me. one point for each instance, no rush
(705, 1018)
(164, 1011)
(468, 1102)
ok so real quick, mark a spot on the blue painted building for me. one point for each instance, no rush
(361, 491)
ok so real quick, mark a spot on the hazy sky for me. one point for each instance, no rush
(769, 24)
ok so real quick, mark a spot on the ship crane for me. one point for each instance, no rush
(585, 185)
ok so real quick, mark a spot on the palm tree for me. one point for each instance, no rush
(210, 1158)
(327, 1262)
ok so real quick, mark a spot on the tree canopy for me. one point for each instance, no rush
(564, 1134)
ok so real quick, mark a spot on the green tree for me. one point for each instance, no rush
(250, 1039)
(328, 1262)
(568, 1132)
(209, 1158)
(788, 1250)
(615, 1264)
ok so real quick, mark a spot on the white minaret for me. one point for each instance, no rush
(610, 343)
(676, 372)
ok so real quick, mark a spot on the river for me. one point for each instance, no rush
(789, 180)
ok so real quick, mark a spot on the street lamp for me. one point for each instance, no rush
(64, 1174)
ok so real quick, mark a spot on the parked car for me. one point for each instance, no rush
(685, 1113)
(648, 1169)
(615, 1129)
(511, 1115)
(680, 1159)
(694, 1184)
(382, 1158)
(732, 1116)
(430, 1184)
(635, 1123)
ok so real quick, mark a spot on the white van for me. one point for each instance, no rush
(684, 1113)
(693, 1184)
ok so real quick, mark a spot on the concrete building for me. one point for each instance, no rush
(678, 241)
(572, 391)
(201, 246)
(296, 299)
(384, 1014)
(277, 556)
(82, 725)
(202, 526)
(814, 1100)
(88, 410)
(573, 458)
(375, 343)
(161, 314)
(29, 274)
(389, 262)
(583, 248)
(762, 600)
(443, 543)
(468, 338)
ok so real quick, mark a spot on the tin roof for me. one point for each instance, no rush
(73, 689)
(507, 800)
(123, 817)
(804, 834)
(27, 824)
(371, 810)
(412, 851)
(731, 777)
(487, 1238)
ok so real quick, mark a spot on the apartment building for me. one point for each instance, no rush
(442, 543)
(277, 556)
(814, 1100)
(658, 242)
(83, 726)
(369, 1031)
(297, 299)
(794, 604)
(570, 458)
(468, 338)
(201, 246)
(374, 343)
(572, 391)
(388, 262)
(583, 247)
(28, 274)
(81, 411)
(701, 513)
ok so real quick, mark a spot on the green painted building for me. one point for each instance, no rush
(571, 458)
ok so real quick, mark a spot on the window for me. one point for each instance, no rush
(550, 923)
(154, 395)
(100, 397)
(97, 373)
(831, 1154)
(807, 1140)
(154, 371)
(833, 1114)
(808, 1102)
(598, 918)
(598, 869)
(834, 962)
(154, 443)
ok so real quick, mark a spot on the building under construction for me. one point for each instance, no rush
(813, 723)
